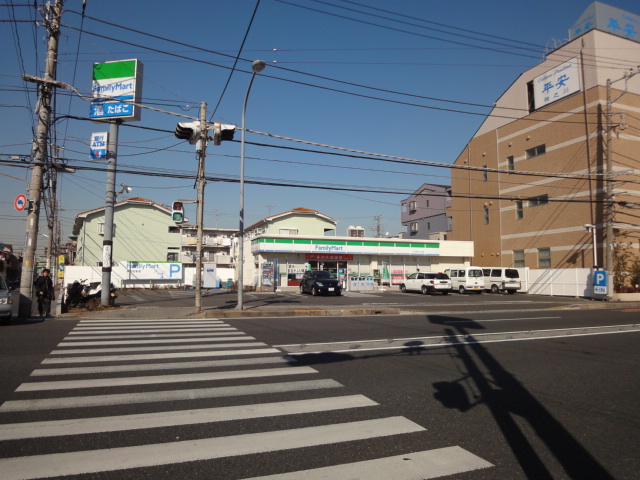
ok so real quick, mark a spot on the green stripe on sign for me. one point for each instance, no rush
(102, 71)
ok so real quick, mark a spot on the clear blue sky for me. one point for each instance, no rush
(320, 57)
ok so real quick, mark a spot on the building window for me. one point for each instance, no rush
(288, 231)
(414, 226)
(485, 174)
(531, 96)
(101, 229)
(486, 215)
(518, 258)
(427, 203)
(510, 164)
(539, 200)
(544, 257)
(428, 225)
(519, 212)
(172, 256)
(412, 205)
(535, 151)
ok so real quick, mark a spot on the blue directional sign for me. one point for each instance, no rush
(600, 282)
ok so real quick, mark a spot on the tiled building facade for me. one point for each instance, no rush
(535, 183)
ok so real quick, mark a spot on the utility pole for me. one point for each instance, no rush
(201, 149)
(39, 161)
(378, 227)
(52, 218)
(608, 205)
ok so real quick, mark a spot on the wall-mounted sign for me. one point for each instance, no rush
(154, 270)
(99, 145)
(113, 85)
(607, 19)
(328, 256)
(555, 84)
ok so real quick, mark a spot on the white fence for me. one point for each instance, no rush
(120, 277)
(569, 282)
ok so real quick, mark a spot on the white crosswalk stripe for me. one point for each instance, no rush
(155, 374)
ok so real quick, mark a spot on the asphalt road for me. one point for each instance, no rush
(505, 387)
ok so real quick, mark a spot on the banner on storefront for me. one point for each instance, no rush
(328, 256)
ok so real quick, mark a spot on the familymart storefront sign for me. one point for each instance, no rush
(380, 258)
(349, 247)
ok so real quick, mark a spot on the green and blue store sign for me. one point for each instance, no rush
(353, 247)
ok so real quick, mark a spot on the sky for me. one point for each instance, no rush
(405, 79)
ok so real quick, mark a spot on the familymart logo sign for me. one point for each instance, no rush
(114, 85)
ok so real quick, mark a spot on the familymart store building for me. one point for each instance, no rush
(388, 261)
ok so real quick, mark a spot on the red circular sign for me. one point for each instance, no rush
(20, 202)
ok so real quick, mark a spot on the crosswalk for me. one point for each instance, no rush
(126, 396)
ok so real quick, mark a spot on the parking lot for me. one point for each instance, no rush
(389, 298)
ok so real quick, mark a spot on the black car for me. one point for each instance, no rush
(320, 281)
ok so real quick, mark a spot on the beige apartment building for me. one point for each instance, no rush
(531, 185)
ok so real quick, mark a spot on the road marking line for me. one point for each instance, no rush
(152, 330)
(418, 343)
(81, 426)
(159, 379)
(142, 328)
(94, 461)
(127, 321)
(45, 372)
(157, 356)
(500, 320)
(163, 396)
(148, 349)
(79, 343)
(147, 335)
(410, 466)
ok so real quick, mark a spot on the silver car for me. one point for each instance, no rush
(6, 302)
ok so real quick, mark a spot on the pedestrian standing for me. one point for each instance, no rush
(44, 292)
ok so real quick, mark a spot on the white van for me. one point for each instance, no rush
(466, 278)
(499, 279)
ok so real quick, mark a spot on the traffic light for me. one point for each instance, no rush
(189, 131)
(177, 212)
(222, 132)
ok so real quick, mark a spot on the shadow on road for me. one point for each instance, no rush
(504, 396)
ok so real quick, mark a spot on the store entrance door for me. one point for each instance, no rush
(333, 267)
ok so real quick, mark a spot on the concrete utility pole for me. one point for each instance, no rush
(201, 148)
(39, 161)
(608, 213)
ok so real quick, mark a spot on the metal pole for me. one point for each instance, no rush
(595, 249)
(39, 160)
(110, 200)
(201, 148)
(258, 66)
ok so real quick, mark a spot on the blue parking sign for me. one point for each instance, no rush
(600, 282)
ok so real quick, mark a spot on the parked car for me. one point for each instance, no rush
(501, 279)
(6, 301)
(427, 282)
(320, 281)
(466, 279)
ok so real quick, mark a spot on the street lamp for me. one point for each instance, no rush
(592, 229)
(257, 66)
